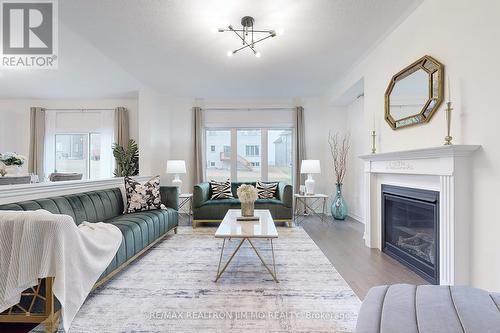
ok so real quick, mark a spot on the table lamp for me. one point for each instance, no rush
(176, 167)
(309, 167)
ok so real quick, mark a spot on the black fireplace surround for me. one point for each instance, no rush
(410, 229)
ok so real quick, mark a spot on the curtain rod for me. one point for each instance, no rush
(248, 108)
(82, 109)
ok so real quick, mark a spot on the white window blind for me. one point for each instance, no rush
(248, 118)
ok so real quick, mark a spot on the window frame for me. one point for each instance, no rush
(86, 152)
(263, 151)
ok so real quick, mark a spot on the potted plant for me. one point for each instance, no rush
(339, 149)
(127, 159)
(3, 172)
(247, 195)
(12, 162)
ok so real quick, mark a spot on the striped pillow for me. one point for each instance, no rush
(266, 190)
(221, 190)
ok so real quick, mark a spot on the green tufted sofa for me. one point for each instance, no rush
(140, 231)
(207, 210)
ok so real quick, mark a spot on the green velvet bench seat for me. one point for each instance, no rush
(207, 210)
(140, 231)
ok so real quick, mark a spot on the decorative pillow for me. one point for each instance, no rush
(266, 190)
(141, 197)
(221, 190)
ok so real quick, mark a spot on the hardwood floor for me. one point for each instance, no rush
(362, 268)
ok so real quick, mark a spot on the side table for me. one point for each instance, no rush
(186, 205)
(310, 203)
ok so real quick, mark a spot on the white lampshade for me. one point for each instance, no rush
(310, 166)
(176, 166)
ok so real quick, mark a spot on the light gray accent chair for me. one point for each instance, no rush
(15, 180)
(404, 308)
(60, 177)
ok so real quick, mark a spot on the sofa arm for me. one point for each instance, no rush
(285, 192)
(201, 194)
(170, 196)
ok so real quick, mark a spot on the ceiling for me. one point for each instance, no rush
(112, 48)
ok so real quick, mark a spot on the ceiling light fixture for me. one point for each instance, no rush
(247, 33)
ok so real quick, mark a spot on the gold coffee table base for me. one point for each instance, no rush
(220, 272)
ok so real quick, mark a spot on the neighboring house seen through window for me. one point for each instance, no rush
(272, 148)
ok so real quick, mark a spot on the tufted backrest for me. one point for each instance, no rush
(95, 206)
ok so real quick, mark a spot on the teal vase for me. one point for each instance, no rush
(339, 206)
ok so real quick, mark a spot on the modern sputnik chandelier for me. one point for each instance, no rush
(249, 36)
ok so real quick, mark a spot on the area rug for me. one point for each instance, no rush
(172, 289)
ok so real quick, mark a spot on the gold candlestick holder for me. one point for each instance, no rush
(374, 149)
(448, 137)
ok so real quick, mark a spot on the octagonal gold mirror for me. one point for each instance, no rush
(415, 93)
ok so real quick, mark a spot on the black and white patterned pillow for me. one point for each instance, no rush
(221, 190)
(266, 190)
(141, 197)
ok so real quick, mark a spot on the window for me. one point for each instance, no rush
(219, 159)
(265, 154)
(280, 155)
(79, 141)
(252, 151)
(80, 153)
(96, 165)
(248, 143)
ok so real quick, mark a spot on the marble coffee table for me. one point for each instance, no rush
(230, 227)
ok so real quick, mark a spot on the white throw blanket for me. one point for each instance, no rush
(38, 244)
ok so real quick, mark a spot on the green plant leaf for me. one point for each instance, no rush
(127, 159)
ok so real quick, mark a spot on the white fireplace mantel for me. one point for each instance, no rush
(445, 169)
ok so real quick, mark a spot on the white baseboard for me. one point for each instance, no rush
(356, 217)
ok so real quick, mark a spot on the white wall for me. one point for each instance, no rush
(320, 119)
(463, 35)
(15, 121)
(354, 180)
(165, 132)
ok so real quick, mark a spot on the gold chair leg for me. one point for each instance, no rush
(52, 322)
